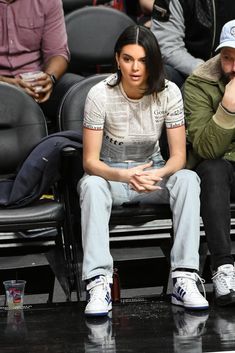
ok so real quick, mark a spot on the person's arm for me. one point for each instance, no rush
(176, 138)
(54, 39)
(10, 80)
(171, 35)
(55, 66)
(55, 54)
(18, 82)
(210, 128)
(54, 48)
(92, 142)
(146, 5)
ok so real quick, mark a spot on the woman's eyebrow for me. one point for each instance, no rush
(129, 56)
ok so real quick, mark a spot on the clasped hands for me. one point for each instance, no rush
(142, 179)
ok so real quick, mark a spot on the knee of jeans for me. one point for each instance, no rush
(214, 170)
(92, 184)
(184, 179)
(187, 177)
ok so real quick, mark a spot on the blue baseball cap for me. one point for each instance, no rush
(227, 37)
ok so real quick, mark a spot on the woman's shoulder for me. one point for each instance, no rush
(171, 89)
(171, 86)
(102, 87)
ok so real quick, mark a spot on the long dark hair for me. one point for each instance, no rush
(144, 37)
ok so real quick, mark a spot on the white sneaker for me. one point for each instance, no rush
(99, 302)
(224, 285)
(185, 291)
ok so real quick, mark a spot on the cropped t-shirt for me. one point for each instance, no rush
(131, 127)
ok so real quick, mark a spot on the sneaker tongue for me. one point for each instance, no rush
(225, 268)
(183, 274)
(96, 282)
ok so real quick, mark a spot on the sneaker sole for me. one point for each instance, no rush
(99, 313)
(226, 300)
(175, 301)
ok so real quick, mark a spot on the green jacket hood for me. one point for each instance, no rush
(210, 70)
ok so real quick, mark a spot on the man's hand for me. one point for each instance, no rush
(39, 89)
(16, 81)
(228, 101)
(42, 88)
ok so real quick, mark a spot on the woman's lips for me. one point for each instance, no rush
(135, 77)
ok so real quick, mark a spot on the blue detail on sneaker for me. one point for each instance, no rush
(185, 291)
(99, 302)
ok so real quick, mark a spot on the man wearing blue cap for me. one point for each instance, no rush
(210, 114)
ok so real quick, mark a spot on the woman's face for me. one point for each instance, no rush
(132, 63)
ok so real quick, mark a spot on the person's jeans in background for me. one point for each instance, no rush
(217, 189)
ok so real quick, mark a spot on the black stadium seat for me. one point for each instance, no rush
(92, 33)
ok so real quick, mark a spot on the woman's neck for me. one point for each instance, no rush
(133, 93)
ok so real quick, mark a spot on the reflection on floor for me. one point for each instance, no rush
(140, 325)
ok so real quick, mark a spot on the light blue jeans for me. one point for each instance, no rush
(97, 196)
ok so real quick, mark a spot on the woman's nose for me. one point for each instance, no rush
(135, 65)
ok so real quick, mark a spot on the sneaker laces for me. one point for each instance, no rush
(202, 281)
(233, 280)
(226, 277)
(192, 279)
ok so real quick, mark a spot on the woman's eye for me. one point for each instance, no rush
(126, 59)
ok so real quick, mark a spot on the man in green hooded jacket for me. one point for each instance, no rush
(210, 114)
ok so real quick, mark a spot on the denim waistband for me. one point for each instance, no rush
(159, 163)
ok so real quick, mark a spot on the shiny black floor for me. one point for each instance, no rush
(136, 325)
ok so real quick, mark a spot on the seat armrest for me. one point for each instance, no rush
(71, 166)
(69, 152)
(71, 162)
